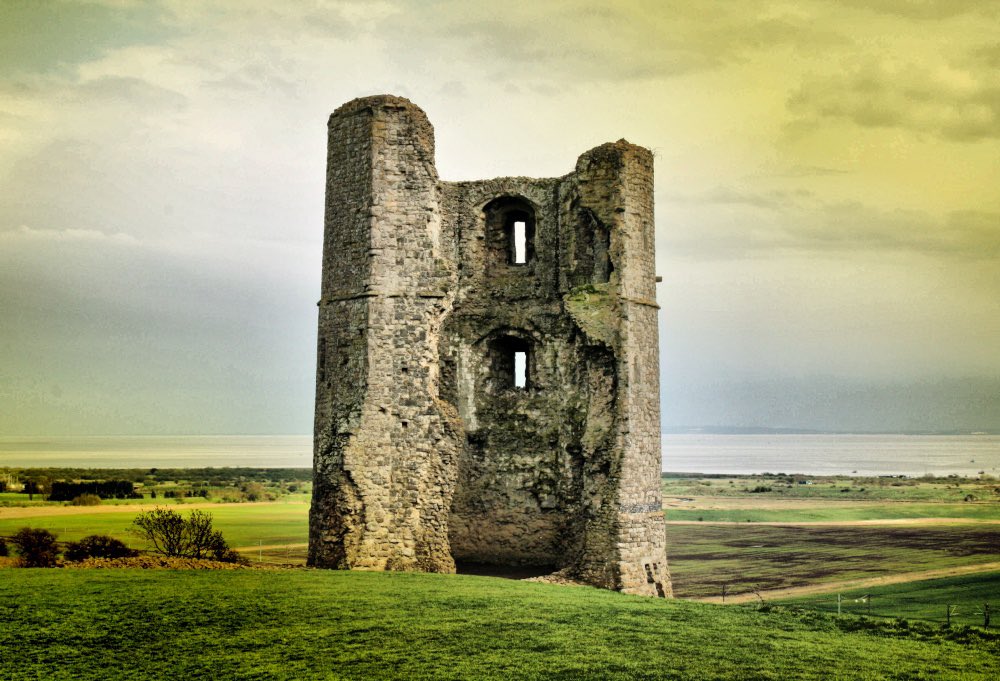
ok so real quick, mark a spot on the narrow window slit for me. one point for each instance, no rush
(520, 369)
(510, 363)
(520, 243)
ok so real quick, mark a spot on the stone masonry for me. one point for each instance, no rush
(487, 386)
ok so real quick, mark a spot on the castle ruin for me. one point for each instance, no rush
(487, 385)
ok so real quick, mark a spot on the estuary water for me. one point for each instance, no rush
(912, 455)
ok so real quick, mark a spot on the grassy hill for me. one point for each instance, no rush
(298, 624)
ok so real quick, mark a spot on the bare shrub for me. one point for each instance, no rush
(172, 534)
(98, 546)
(35, 547)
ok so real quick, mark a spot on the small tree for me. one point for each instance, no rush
(3, 548)
(31, 488)
(36, 547)
(172, 534)
(98, 546)
(254, 491)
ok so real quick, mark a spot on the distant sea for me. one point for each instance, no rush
(912, 455)
(158, 451)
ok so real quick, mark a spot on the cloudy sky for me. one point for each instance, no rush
(827, 188)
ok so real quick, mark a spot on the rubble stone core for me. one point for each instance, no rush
(487, 384)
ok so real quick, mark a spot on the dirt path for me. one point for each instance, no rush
(861, 583)
(269, 547)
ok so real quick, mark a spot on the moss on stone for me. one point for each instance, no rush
(593, 309)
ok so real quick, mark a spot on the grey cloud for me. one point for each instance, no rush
(775, 222)
(912, 98)
(775, 199)
(835, 403)
(987, 55)
(769, 33)
(257, 76)
(141, 338)
(595, 42)
(124, 90)
(809, 171)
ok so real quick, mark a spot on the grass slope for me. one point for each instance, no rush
(121, 624)
(924, 600)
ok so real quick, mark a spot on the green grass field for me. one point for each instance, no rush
(833, 488)
(117, 624)
(820, 511)
(927, 600)
(247, 525)
(703, 555)
(318, 624)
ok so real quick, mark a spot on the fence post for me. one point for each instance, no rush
(950, 610)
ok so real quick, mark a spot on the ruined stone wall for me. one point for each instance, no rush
(517, 474)
(427, 450)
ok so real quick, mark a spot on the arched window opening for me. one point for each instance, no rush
(510, 230)
(510, 363)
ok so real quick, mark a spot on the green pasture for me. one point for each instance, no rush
(825, 512)
(832, 488)
(243, 525)
(927, 600)
(119, 624)
(704, 557)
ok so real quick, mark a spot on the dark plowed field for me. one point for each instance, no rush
(704, 556)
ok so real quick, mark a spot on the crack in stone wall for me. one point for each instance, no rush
(428, 447)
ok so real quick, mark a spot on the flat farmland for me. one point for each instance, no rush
(798, 535)
(276, 531)
(746, 556)
(768, 534)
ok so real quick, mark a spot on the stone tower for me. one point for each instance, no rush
(487, 385)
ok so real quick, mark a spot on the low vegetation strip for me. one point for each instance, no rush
(847, 523)
(156, 562)
(708, 509)
(148, 624)
(851, 585)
